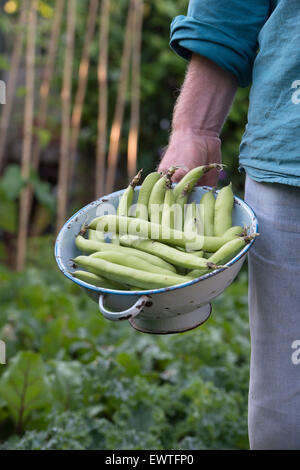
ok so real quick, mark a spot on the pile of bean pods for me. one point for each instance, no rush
(162, 240)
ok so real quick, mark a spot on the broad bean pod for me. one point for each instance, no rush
(130, 276)
(91, 246)
(127, 196)
(144, 195)
(174, 256)
(224, 254)
(168, 207)
(97, 280)
(145, 229)
(193, 176)
(156, 200)
(207, 204)
(223, 210)
(130, 260)
(96, 235)
(179, 207)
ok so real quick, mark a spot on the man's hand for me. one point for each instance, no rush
(188, 151)
(199, 113)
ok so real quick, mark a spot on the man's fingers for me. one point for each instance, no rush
(210, 179)
(178, 173)
(187, 153)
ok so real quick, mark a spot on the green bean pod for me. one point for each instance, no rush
(144, 195)
(235, 230)
(168, 207)
(176, 257)
(91, 246)
(207, 205)
(197, 273)
(179, 207)
(191, 226)
(144, 229)
(156, 200)
(115, 239)
(127, 196)
(131, 276)
(96, 235)
(97, 280)
(199, 253)
(130, 260)
(157, 196)
(223, 210)
(198, 222)
(222, 255)
(212, 244)
(193, 176)
(228, 250)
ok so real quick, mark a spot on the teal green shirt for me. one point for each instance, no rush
(259, 42)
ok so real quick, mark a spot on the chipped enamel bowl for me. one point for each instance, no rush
(167, 310)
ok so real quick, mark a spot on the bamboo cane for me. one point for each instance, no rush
(45, 88)
(47, 77)
(63, 172)
(102, 100)
(135, 90)
(12, 79)
(81, 89)
(120, 104)
(28, 128)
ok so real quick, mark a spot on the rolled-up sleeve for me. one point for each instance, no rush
(225, 32)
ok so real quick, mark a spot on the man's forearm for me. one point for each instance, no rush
(205, 98)
(199, 114)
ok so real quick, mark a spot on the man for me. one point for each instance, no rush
(231, 44)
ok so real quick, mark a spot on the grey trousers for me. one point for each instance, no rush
(274, 310)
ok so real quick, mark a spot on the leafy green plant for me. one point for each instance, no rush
(10, 188)
(24, 386)
(114, 387)
(11, 184)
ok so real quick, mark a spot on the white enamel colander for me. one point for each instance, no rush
(167, 310)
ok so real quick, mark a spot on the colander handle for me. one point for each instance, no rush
(125, 314)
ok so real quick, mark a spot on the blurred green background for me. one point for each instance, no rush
(88, 383)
